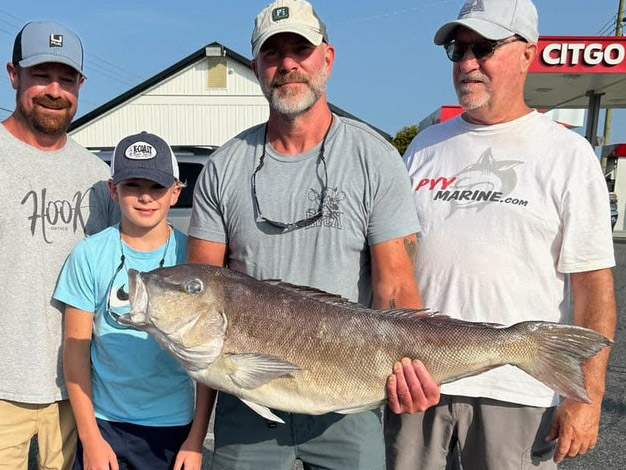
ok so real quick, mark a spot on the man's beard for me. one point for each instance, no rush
(45, 122)
(294, 102)
(467, 97)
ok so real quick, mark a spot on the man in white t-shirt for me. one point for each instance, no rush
(514, 217)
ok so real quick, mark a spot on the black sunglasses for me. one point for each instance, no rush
(481, 49)
(286, 226)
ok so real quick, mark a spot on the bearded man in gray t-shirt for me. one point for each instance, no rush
(54, 193)
(318, 200)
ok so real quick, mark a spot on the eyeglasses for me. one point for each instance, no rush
(481, 49)
(287, 226)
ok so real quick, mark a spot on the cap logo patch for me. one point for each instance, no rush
(472, 5)
(281, 13)
(140, 151)
(56, 40)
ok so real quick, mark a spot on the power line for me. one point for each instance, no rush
(100, 65)
(6, 22)
(8, 32)
(608, 26)
(107, 73)
(393, 13)
(12, 16)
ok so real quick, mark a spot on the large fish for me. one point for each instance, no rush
(290, 348)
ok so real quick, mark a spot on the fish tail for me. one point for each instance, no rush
(560, 351)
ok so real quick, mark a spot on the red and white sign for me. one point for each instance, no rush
(580, 54)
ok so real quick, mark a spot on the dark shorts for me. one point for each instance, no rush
(246, 441)
(140, 447)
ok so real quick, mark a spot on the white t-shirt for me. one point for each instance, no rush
(506, 212)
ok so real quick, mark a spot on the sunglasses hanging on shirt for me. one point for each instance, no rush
(286, 226)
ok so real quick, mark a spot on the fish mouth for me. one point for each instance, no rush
(138, 297)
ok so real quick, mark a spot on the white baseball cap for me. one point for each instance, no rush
(288, 16)
(494, 19)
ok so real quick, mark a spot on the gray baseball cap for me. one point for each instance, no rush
(145, 156)
(494, 19)
(288, 16)
(46, 41)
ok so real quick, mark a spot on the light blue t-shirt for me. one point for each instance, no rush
(133, 379)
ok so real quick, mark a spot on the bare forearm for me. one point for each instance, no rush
(594, 308)
(393, 278)
(205, 398)
(206, 252)
(77, 371)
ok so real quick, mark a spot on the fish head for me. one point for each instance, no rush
(181, 310)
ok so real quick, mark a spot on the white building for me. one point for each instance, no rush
(205, 99)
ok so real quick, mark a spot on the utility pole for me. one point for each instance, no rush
(609, 112)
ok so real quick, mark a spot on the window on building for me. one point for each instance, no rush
(217, 72)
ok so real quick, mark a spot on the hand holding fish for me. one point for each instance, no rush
(411, 389)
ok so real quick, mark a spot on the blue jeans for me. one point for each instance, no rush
(140, 447)
(246, 441)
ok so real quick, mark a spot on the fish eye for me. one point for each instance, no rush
(194, 286)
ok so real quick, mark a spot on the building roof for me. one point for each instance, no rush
(175, 68)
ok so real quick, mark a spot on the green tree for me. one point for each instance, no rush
(404, 137)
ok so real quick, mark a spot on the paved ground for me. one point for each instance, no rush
(610, 453)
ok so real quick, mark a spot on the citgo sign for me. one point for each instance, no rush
(581, 55)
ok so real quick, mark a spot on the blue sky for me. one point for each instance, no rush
(387, 69)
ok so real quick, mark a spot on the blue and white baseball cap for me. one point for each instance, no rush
(40, 42)
(145, 156)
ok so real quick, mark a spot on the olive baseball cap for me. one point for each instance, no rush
(39, 42)
(495, 20)
(288, 16)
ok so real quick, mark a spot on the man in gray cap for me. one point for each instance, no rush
(518, 219)
(313, 199)
(54, 193)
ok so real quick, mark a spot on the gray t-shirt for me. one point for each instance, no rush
(368, 201)
(50, 200)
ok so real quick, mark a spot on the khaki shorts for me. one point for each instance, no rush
(55, 429)
(491, 435)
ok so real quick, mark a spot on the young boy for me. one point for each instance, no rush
(132, 401)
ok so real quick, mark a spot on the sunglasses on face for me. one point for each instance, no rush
(480, 49)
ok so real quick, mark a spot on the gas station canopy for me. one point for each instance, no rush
(568, 68)
(578, 72)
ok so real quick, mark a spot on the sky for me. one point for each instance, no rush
(387, 69)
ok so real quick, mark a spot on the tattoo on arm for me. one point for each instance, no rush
(392, 303)
(411, 249)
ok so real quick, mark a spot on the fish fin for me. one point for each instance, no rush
(334, 299)
(254, 370)
(559, 354)
(358, 409)
(312, 292)
(441, 320)
(407, 312)
(263, 411)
